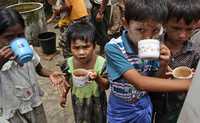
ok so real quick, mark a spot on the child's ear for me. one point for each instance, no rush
(124, 22)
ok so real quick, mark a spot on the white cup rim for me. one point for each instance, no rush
(149, 40)
(185, 67)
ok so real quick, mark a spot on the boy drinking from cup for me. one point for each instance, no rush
(182, 15)
(84, 75)
(20, 94)
(129, 100)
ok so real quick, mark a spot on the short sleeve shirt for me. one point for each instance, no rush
(19, 89)
(121, 56)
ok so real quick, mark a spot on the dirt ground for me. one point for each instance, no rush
(55, 114)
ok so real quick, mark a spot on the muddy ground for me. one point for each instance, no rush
(55, 114)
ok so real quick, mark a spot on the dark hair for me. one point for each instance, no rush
(189, 10)
(140, 10)
(8, 18)
(81, 30)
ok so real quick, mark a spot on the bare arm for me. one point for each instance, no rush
(103, 6)
(43, 71)
(103, 82)
(155, 84)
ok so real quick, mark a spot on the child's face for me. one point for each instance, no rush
(82, 51)
(142, 30)
(10, 34)
(178, 31)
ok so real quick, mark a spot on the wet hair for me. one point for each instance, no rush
(81, 30)
(189, 10)
(141, 10)
(8, 18)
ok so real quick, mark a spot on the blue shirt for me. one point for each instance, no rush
(121, 57)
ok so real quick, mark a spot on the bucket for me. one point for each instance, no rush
(47, 42)
(35, 20)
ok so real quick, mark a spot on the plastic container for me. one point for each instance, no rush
(34, 17)
(22, 50)
(47, 42)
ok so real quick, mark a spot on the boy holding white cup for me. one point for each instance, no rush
(127, 72)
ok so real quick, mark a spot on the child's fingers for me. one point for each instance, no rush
(62, 88)
(164, 52)
(62, 105)
(92, 75)
(63, 102)
(66, 84)
(169, 68)
(168, 75)
(57, 78)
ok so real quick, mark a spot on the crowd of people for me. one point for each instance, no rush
(141, 91)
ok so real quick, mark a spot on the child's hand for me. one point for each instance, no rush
(58, 78)
(99, 17)
(168, 74)
(92, 75)
(164, 55)
(63, 101)
(5, 55)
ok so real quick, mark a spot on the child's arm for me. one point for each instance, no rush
(155, 84)
(43, 71)
(102, 6)
(100, 79)
(100, 13)
(63, 97)
(118, 66)
(103, 81)
(67, 6)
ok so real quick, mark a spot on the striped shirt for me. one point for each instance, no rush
(121, 57)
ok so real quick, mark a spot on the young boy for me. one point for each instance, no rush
(89, 101)
(182, 15)
(72, 10)
(127, 73)
(20, 94)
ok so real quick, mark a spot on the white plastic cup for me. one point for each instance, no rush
(182, 72)
(80, 77)
(149, 49)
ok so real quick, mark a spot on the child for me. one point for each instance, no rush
(19, 91)
(89, 102)
(75, 10)
(100, 17)
(117, 11)
(178, 29)
(127, 73)
(60, 9)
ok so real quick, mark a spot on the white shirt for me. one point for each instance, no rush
(19, 89)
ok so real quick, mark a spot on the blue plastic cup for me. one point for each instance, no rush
(22, 50)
